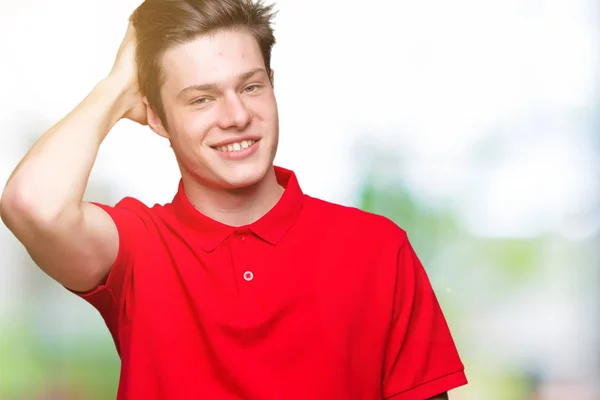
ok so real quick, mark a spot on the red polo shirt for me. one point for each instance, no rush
(313, 301)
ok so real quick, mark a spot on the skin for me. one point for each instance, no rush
(75, 242)
(216, 91)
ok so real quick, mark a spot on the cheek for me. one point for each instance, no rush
(191, 128)
(274, 110)
(275, 118)
(268, 111)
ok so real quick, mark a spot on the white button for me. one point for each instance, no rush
(248, 276)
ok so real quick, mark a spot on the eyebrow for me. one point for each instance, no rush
(213, 86)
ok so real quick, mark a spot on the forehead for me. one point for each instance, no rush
(212, 59)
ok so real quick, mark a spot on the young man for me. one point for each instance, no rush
(242, 287)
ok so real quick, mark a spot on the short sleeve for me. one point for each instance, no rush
(421, 358)
(110, 298)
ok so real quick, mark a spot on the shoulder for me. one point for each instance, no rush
(132, 204)
(136, 206)
(352, 221)
(134, 213)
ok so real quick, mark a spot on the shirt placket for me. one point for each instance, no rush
(244, 267)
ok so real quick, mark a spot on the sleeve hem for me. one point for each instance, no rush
(431, 388)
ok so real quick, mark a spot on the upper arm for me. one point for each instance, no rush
(421, 360)
(76, 249)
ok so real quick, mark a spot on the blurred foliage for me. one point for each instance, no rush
(35, 364)
(453, 257)
(32, 368)
(427, 228)
(433, 230)
(80, 367)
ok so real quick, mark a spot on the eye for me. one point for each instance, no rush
(200, 101)
(251, 88)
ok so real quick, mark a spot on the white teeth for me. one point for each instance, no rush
(236, 146)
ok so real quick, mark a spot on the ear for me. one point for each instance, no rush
(272, 77)
(154, 121)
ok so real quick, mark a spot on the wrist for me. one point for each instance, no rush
(119, 92)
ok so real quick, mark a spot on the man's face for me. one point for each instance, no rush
(221, 109)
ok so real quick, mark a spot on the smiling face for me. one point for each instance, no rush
(220, 110)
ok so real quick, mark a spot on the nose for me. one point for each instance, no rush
(234, 113)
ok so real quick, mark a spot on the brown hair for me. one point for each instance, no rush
(162, 24)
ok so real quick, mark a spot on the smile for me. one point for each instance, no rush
(233, 147)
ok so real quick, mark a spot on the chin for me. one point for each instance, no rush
(243, 176)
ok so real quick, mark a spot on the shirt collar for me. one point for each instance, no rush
(271, 227)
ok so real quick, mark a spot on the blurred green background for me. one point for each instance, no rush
(474, 125)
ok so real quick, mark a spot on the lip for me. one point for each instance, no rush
(240, 154)
(234, 140)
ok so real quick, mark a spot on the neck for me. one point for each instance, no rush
(234, 207)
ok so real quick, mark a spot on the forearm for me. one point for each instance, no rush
(53, 175)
